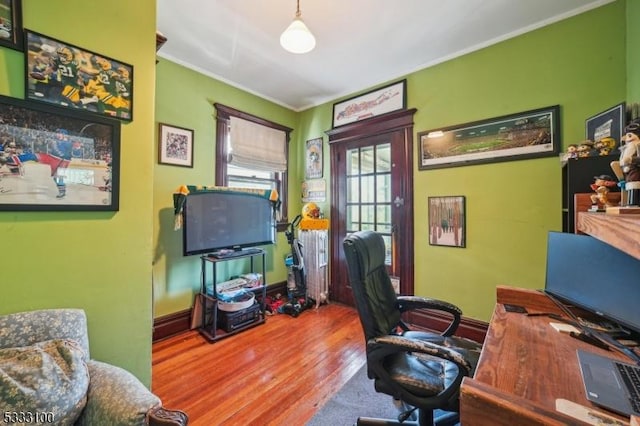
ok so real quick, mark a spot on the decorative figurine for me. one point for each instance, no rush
(605, 146)
(585, 149)
(601, 186)
(629, 163)
(572, 151)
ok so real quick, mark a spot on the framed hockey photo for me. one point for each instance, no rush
(175, 145)
(56, 159)
(62, 74)
(11, 33)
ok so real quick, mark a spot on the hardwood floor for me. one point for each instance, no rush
(278, 373)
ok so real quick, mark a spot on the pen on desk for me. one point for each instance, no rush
(539, 314)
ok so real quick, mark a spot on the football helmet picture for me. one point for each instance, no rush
(123, 72)
(65, 55)
(101, 62)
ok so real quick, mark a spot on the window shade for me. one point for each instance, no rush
(256, 146)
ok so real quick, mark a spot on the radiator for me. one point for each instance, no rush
(315, 253)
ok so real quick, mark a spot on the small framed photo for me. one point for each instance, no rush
(11, 34)
(62, 74)
(55, 159)
(175, 145)
(607, 124)
(447, 221)
(313, 159)
(392, 97)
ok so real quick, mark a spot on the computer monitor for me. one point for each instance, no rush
(590, 274)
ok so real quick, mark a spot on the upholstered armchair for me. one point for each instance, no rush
(47, 376)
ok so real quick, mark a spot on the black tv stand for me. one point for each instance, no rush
(233, 253)
(211, 327)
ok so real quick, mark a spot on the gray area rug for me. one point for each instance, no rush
(357, 398)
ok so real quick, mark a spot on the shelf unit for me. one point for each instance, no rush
(210, 313)
(620, 231)
(577, 177)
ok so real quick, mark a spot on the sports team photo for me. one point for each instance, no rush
(65, 75)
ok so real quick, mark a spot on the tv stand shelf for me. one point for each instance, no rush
(210, 327)
(620, 231)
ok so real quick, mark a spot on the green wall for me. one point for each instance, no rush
(510, 205)
(97, 261)
(190, 104)
(633, 51)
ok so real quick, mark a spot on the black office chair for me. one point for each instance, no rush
(421, 369)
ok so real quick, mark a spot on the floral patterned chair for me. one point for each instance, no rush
(47, 376)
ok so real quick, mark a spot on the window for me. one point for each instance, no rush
(256, 158)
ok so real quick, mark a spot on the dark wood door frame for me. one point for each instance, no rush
(400, 122)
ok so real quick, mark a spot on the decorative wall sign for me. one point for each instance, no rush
(63, 74)
(607, 124)
(530, 134)
(54, 158)
(377, 102)
(447, 221)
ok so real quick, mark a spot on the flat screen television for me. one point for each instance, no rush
(218, 220)
(592, 275)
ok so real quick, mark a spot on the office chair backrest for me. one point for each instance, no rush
(374, 295)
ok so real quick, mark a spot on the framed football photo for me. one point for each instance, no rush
(62, 74)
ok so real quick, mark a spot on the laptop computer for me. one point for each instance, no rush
(610, 383)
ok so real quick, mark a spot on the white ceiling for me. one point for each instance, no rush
(360, 43)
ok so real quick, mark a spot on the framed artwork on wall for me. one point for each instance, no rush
(447, 221)
(521, 136)
(392, 97)
(59, 73)
(11, 33)
(175, 145)
(56, 159)
(313, 159)
(606, 124)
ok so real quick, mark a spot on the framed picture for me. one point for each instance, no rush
(175, 145)
(377, 102)
(313, 159)
(53, 158)
(62, 74)
(447, 221)
(11, 34)
(529, 134)
(607, 124)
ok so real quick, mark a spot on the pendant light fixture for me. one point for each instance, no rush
(297, 38)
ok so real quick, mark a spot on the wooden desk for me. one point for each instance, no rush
(524, 367)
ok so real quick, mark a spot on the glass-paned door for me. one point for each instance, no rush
(372, 190)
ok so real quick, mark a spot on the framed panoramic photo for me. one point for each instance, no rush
(175, 145)
(313, 159)
(447, 221)
(62, 74)
(607, 124)
(521, 136)
(386, 99)
(54, 159)
(11, 34)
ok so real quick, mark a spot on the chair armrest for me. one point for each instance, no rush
(381, 347)
(117, 397)
(411, 303)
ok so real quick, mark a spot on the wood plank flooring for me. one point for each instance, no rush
(278, 373)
